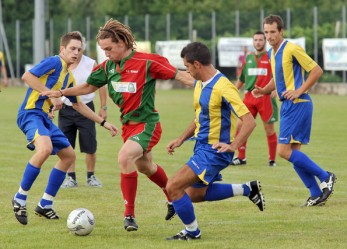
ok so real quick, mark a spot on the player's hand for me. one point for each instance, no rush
(103, 113)
(51, 115)
(257, 92)
(222, 147)
(51, 94)
(291, 94)
(172, 145)
(57, 104)
(273, 94)
(113, 129)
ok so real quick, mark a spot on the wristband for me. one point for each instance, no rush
(61, 93)
(103, 122)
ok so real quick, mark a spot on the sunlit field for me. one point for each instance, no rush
(232, 223)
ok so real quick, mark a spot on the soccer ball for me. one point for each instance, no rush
(81, 222)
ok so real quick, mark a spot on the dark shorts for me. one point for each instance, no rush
(70, 121)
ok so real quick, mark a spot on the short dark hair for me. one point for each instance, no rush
(74, 35)
(259, 33)
(196, 51)
(274, 18)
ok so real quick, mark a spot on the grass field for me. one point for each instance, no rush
(232, 223)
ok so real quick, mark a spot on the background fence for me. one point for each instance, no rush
(313, 24)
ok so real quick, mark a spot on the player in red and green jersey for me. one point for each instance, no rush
(130, 77)
(257, 72)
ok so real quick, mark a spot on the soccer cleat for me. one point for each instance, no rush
(272, 163)
(20, 212)
(170, 212)
(130, 223)
(184, 235)
(327, 187)
(256, 196)
(69, 183)
(311, 201)
(46, 212)
(237, 161)
(93, 182)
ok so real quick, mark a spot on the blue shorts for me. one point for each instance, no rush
(296, 121)
(207, 164)
(36, 123)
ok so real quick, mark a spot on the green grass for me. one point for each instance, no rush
(232, 223)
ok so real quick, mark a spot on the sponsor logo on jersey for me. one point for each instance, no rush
(124, 87)
(111, 71)
(257, 71)
(132, 71)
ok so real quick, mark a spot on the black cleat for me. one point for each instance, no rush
(170, 212)
(313, 201)
(46, 212)
(184, 235)
(130, 223)
(327, 187)
(20, 212)
(272, 163)
(256, 196)
(238, 162)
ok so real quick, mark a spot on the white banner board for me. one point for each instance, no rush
(172, 51)
(231, 48)
(335, 54)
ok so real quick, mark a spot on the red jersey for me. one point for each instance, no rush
(256, 71)
(131, 83)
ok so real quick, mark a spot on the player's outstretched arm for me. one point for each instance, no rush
(185, 78)
(87, 112)
(73, 91)
(189, 132)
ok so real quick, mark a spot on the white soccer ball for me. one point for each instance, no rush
(81, 221)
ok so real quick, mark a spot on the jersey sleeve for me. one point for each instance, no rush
(160, 68)
(306, 62)
(46, 66)
(232, 96)
(98, 77)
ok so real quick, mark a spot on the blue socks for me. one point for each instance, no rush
(29, 176)
(221, 191)
(307, 170)
(309, 181)
(300, 160)
(55, 180)
(185, 210)
(218, 191)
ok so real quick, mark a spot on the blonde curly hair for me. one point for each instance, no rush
(117, 31)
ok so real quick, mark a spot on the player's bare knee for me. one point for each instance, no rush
(284, 153)
(44, 151)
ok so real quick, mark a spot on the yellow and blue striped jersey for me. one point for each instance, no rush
(54, 74)
(288, 65)
(217, 107)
